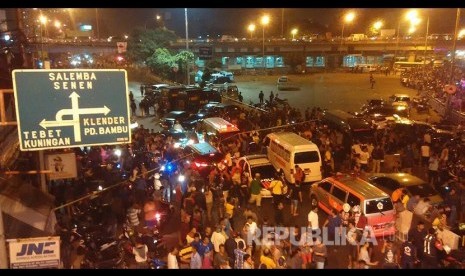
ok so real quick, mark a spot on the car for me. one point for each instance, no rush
(389, 182)
(339, 190)
(258, 163)
(191, 122)
(180, 138)
(284, 83)
(375, 102)
(380, 112)
(169, 120)
(226, 109)
(207, 109)
(399, 98)
(203, 157)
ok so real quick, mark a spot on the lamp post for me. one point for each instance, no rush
(43, 21)
(294, 32)
(251, 29)
(265, 21)
(348, 18)
(452, 64)
(411, 16)
(426, 44)
(187, 46)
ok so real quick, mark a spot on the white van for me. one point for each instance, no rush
(287, 149)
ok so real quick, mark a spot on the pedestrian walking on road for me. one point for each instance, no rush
(271, 97)
(141, 90)
(261, 96)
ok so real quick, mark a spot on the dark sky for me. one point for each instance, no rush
(233, 21)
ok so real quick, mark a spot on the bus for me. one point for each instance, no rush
(402, 66)
(216, 129)
(287, 149)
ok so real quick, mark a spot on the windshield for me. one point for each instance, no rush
(265, 171)
(378, 205)
(306, 157)
(423, 190)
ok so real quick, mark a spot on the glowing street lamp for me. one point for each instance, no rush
(461, 34)
(265, 21)
(57, 24)
(43, 22)
(251, 29)
(348, 18)
(378, 25)
(294, 32)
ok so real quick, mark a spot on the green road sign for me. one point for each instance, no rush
(71, 108)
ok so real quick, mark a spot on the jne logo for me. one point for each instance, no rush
(36, 248)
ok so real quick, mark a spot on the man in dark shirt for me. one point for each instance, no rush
(408, 253)
(430, 252)
(418, 235)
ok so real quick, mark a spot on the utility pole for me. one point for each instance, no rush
(452, 64)
(426, 45)
(282, 23)
(96, 19)
(187, 46)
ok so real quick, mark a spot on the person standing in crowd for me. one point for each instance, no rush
(255, 189)
(364, 255)
(240, 97)
(196, 259)
(378, 157)
(320, 253)
(408, 257)
(271, 97)
(430, 251)
(172, 258)
(261, 97)
(390, 255)
(142, 90)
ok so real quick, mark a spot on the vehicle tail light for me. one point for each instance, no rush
(200, 165)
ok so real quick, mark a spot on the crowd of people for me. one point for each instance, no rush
(220, 214)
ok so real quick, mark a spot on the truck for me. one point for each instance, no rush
(357, 37)
(387, 33)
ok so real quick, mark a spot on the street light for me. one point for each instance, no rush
(378, 25)
(57, 24)
(461, 34)
(412, 17)
(265, 21)
(251, 29)
(348, 18)
(43, 21)
(294, 32)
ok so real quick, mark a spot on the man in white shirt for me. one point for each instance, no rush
(217, 239)
(172, 260)
(313, 219)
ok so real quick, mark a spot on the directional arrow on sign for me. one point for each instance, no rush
(44, 123)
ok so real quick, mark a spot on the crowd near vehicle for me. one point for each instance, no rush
(389, 182)
(216, 128)
(353, 128)
(376, 205)
(259, 163)
(202, 157)
(285, 150)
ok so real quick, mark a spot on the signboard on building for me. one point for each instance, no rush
(62, 165)
(71, 108)
(35, 253)
(205, 52)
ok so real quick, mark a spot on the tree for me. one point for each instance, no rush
(162, 63)
(142, 44)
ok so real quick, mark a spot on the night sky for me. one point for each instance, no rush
(234, 21)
